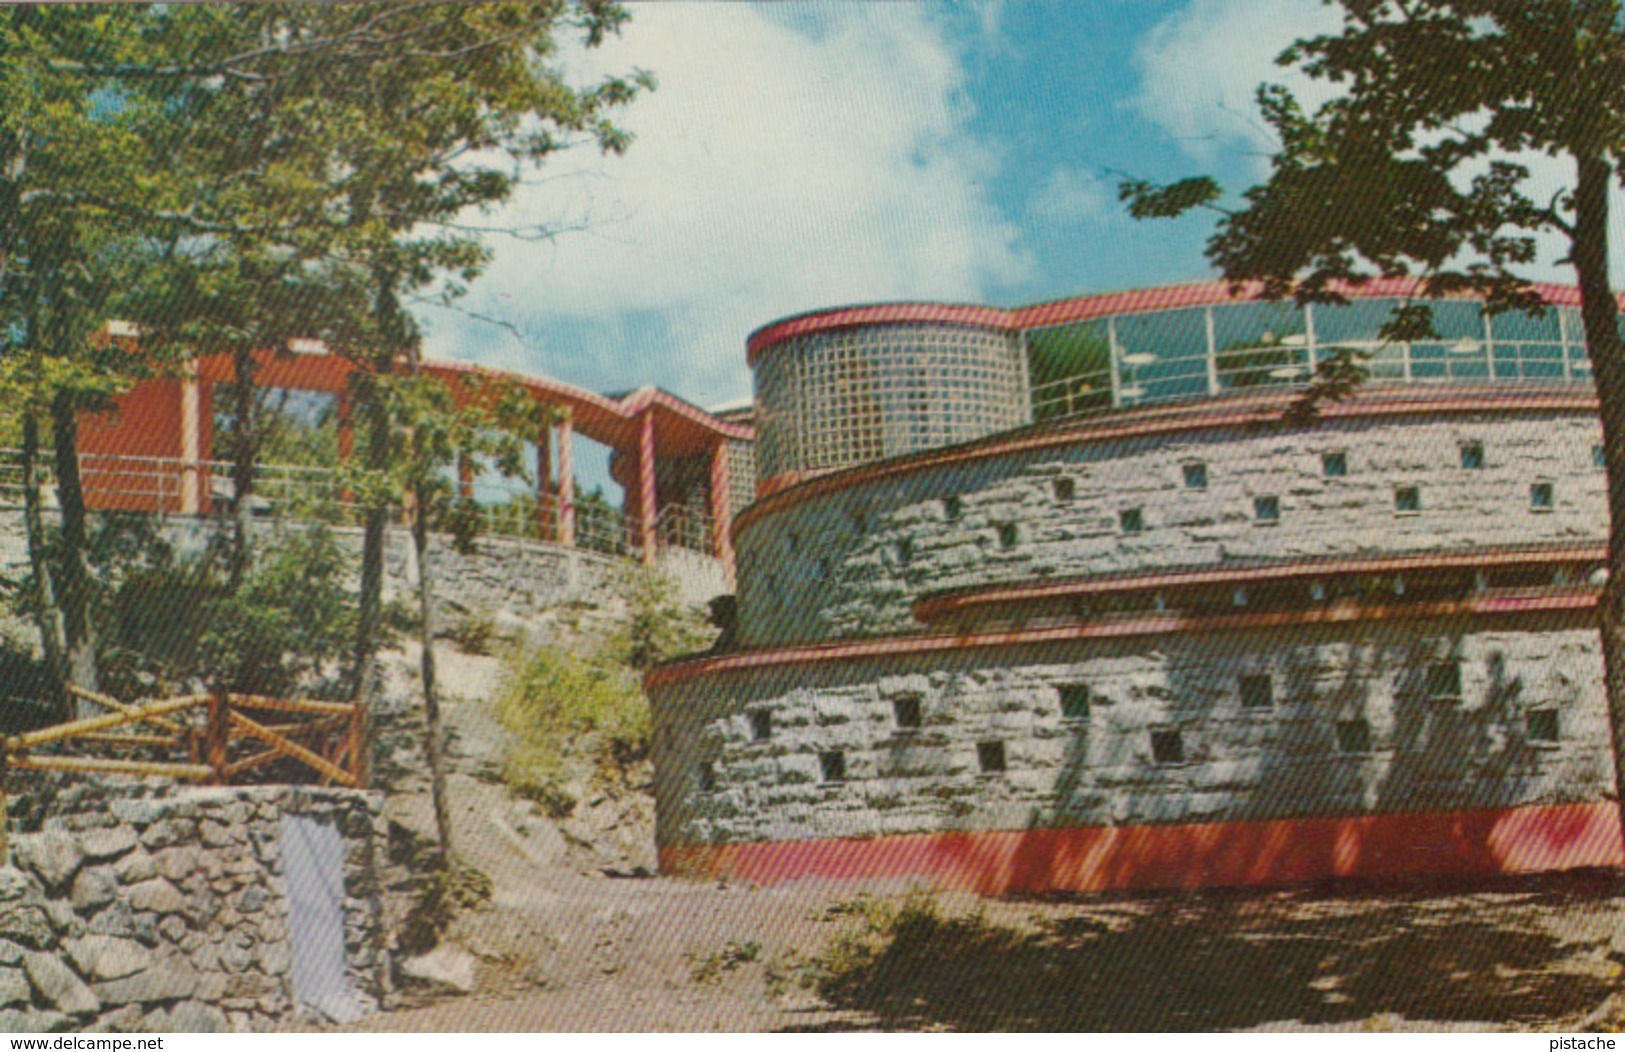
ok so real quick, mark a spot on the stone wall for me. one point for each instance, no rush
(740, 755)
(851, 563)
(503, 576)
(172, 913)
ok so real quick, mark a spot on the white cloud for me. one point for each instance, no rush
(782, 165)
(1200, 69)
(1071, 197)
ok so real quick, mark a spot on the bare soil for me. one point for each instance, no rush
(564, 946)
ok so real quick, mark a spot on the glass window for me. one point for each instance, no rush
(1259, 345)
(832, 765)
(1075, 699)
(1162, 356)
(1196, 476)
(1353, 736)
(906, 710)
(990, 757)
(1334, 465)
(1167, 747)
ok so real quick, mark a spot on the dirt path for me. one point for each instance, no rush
(563, 947)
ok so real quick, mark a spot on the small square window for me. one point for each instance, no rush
(1353, 736)
(1132, 520)
(1267, 509)
(1257, 692)
(1075, 698)
(706, 775)
(1541, 496)
(905, 551)
(1472, 456)
(952, 508)
(833, 766)
(1599, 457)
(1444, 680)
(1407, 499)
(1196, 476)
(990, 757)
(1009, 535)
(1542, 725)
(907, 711)
(1334, 465)
(1065, 489)
(761, 725)
(1167, 747)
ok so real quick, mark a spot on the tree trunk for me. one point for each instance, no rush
(244, 446)
(1601, 313)
(431, 699)
(369, 614)
(48, 615)
(78, 628)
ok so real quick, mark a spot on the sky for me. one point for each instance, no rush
(797, 157)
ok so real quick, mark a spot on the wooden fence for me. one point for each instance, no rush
(209, 738)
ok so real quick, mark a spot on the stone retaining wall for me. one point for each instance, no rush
(850, 564)
(1349, 724)
(172, 913)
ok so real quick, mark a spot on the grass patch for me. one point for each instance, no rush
(566, 711)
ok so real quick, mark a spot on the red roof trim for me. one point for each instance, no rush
(939, 607)
(1151, 625)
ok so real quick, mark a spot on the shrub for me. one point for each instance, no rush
(476, 633)
(559, 705)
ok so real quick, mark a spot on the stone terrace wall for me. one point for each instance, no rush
(851, 563)
(171, 913)
(720, 779)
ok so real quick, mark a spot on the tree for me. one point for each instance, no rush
(1414, 170)
(435, 432)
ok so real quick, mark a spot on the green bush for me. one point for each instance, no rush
(563, 707)
(476, 633)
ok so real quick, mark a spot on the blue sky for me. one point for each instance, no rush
(798, 157)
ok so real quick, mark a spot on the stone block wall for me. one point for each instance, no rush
(171, 913)
(851, 563)
(1350, 725)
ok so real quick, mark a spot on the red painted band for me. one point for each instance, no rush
(1219, 854)
(1203, 415)
(1545, 602)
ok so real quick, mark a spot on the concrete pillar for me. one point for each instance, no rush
(191, 473)
(647, 507)
(721, 511)
(567, 484)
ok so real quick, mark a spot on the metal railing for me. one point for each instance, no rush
(1147, 378)
(168, 486)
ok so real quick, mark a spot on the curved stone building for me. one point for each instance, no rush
(1055, 598)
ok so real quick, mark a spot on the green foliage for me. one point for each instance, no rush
(443, 894)
(904, 951)
(563, 707)
(476, 633)
(288, 624)
(164, 621)
(730, 957)
(658, 628)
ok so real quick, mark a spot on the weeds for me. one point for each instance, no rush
(562, 707)
(709, 969)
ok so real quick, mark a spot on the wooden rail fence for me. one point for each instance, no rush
(209, 738)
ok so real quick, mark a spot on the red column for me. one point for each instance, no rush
(646, 501)
(465, 478)
(567, 483)
(721, 511)
(546, 522)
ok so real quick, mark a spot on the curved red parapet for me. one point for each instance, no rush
(1391, 847)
